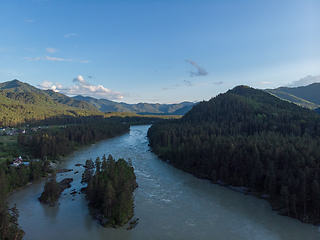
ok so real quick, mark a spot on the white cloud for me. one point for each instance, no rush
(82, 87)
(265, 82)
(48, 59)
(304, 81)
(57, 59)
(46, 84)
(200, 70)
(80, 80)
(51, 50)
(70, 34)
(49, 85)
(33, 59)
(28, 20)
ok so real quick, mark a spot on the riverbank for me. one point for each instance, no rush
(274, 203)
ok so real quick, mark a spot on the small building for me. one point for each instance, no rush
(16, 162)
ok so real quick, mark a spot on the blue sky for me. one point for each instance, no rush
(159, 51)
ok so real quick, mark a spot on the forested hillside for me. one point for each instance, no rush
(12, 114)
(251, 139)
(22, 103)
(42, 96)
(31, 98)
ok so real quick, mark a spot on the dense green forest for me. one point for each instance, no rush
(251, 139)
(109, 190)
(54, 142)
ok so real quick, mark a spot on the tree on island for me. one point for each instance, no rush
(51, 191)
(110, 190)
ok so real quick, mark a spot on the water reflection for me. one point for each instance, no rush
(50, 211)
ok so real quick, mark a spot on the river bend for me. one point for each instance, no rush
(169, 203)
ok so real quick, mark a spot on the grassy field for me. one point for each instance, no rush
(9, 148)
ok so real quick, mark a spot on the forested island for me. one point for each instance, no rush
(110, 185)
(250, 139)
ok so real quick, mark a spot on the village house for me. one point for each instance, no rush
(16, 162)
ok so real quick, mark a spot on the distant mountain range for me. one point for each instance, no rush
(105, 105)
(307, 96)
(16, 92)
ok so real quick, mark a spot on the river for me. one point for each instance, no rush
(169, 203)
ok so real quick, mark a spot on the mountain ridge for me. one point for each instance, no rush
(306, 96)
(106, 105)
(21, 92)
(19, 87)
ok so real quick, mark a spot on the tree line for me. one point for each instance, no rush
(54, 142)
(251, 139)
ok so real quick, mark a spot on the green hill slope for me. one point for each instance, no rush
(17, 86)
(306, 96)
(68, 101)
(21, 103)
(41, 97)
(32, 98)
(249, 139)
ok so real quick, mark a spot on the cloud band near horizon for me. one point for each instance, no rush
(82, 87)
